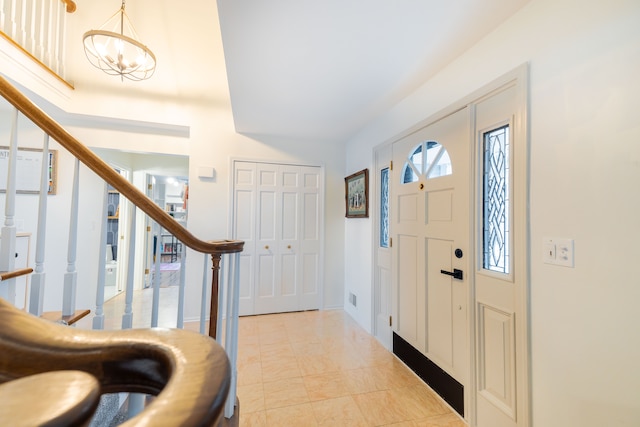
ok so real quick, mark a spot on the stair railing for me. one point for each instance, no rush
(224, 294)
(38, 28)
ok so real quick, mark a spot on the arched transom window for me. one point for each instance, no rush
(435, 163)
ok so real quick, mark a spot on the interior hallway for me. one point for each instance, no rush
(314, 368)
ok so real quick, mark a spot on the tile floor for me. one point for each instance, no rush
(313, 368)
(320, 368)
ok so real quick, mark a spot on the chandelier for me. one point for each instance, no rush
(114, 48)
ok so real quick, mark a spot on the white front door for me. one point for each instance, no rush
(431, 249)
(459, 227)
(278, 214)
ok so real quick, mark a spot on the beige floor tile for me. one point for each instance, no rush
(342, 411)
(449, 420)
(251, 398)
(361, 380)
(314, 348)
(326, 386)
(248, 353)
(278, 368)
(276, 350)
(420, 402)
(253, 419)
(286, 392)
(276, 337)
(249, 373)
(297, 415)
(316, 364)
(381, 408)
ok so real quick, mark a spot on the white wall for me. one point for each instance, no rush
(584, 168)
(213, 142)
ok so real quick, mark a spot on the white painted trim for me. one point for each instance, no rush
(21, 70)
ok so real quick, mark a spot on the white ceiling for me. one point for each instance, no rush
(307, 70)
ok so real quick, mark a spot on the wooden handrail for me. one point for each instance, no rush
(188, 372)
(6, 275)
(106, 172)
(71, 5)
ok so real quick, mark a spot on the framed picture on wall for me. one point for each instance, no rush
(357, 194)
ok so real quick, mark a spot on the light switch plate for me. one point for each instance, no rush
(558, 251)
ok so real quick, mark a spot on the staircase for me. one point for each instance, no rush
(191, 376)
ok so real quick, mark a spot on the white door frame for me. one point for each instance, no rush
(321, 225)
(519, 78)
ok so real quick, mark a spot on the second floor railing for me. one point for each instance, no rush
(38, 27)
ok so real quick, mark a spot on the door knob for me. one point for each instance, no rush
(266, 247)
(288, 246)
(457, 274)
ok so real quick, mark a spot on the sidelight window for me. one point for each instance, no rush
(384, 208)
(496, 199)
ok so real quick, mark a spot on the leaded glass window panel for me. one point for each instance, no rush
(437, 162)
(496, 193)
(384, 208)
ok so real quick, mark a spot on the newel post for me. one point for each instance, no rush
(215, 285)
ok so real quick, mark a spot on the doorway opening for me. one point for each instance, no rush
(163, 252)
(170, 174)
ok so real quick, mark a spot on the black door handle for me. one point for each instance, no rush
(457, 274)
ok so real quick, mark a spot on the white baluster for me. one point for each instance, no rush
(71, 276)
(57, 30)
(181, 291)
(62, 41)
(49, 34)
(203, 298)
(156, 282)
(39, 30)
(8, 232)
(38, 278)
(3, 13)
(10, 18)
(222, 303)
(136, 404)
(30, 27)
(127, 317)
(98, 320)
(21, 34)
(231, 335)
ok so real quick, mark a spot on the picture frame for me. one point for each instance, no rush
(356, 188)
(28, 170)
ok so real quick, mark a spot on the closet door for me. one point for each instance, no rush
(277, 214)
